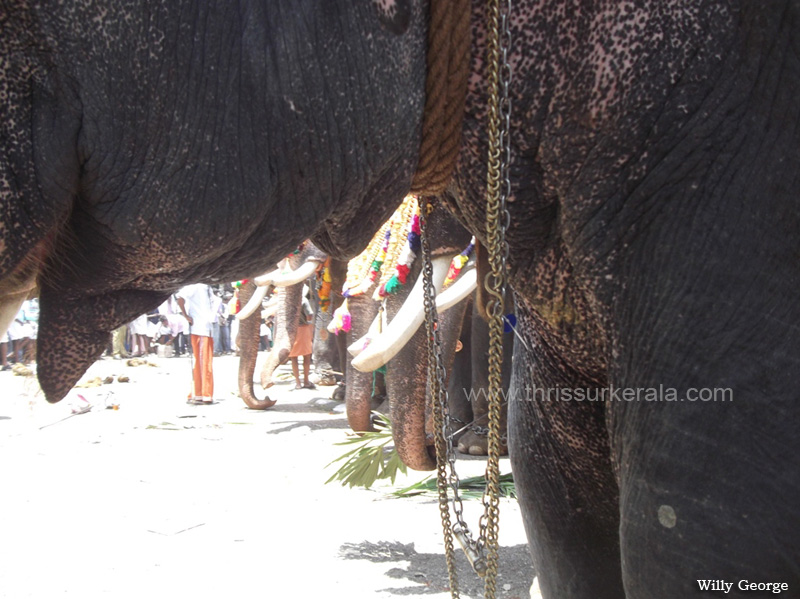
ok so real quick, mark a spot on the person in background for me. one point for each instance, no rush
(30, 315)
(197, 304)
(118, 342)
(164, 333)
(225, 322)
(139, 339)
(265, 332)
(4, 353)
(303, 344)
(216, 304)
(177, 324)
(20, 332)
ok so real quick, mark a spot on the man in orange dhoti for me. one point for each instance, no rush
(197, 303)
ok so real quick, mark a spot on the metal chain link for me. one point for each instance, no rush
(497, 222)
(435, 384)
(442, 421)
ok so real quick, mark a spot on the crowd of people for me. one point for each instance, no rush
(198, 321)
(19, 343)
(165, 332)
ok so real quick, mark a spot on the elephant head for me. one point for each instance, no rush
(401, 346)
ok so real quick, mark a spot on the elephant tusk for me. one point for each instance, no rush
(270, 310)
(378, 324)
(276, 278)
(254, 303)
(459, 290)
(268, 277)
(403, 325)
(298, 275)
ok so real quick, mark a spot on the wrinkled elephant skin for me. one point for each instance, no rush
(126, 174)
(653, 238)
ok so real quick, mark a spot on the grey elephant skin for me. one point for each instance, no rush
(653, 241)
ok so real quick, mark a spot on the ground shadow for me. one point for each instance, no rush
(428, 572)
(314, 425)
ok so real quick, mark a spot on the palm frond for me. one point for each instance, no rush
(469, 488)
(373, 459)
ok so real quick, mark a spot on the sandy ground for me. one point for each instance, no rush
(163, 499)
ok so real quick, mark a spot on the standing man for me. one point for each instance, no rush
(303, 344)
(197, 305)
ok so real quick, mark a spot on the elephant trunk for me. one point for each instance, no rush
(410, 417)
(252, 305)
(411, 411)
(248, 353)
(359, 393)
(286, 321)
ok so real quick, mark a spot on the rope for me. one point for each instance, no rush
(445, 95)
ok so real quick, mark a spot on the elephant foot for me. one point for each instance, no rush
(326, 380)
(339, 393)
(472, 443)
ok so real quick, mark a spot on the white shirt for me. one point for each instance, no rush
(199, 305)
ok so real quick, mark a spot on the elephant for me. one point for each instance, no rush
(300, 266)
(368, 389)
(401, 349)
(329, 350)
(652, 232)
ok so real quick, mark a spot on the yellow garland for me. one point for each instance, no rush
(400, 226)
(358, 268)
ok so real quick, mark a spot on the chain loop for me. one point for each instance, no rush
(497, 222)
(436, 377)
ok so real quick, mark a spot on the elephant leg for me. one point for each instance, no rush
(340, 392)
(691, 493)
(475, 441)
(566, 487)
(459, 393)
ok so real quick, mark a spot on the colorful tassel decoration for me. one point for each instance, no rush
(510, 322)
(457, 264)
(405, 260)
(340, 321)
(324, 291)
